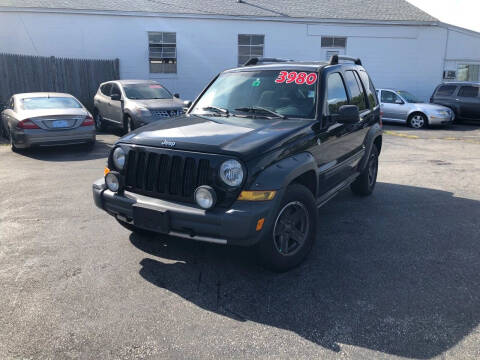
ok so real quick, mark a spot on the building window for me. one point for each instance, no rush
(334, 42)
(468, 72)
(162, 48)
(249, 46)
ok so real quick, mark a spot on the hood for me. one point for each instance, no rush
(159, 103)
(25, 114)
(430, 107)
(241, 137)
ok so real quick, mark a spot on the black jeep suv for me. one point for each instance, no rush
(258, 151)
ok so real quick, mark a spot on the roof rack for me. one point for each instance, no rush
(334, 59)
(262, 60)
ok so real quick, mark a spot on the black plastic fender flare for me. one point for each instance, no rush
(374, 132)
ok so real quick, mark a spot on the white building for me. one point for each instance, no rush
(184, 43)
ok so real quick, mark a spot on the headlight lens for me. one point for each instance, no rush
(142, 112)
(118, 158)
(231, 172)
(205, 196)
(112, 181)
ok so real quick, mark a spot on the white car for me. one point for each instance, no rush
(403, 107)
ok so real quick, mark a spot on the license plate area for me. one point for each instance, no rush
(59, 124)
(155, 220)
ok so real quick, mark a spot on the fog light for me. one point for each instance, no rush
(112, 180)
(205, 197)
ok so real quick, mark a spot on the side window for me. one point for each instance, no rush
(105, 89)
(115, 89)
(356, 90)
(468, 91)
(445, 90)
(389, 97)
(336, 93)
(369, 88)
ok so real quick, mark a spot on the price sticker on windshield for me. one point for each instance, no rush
(298, 78)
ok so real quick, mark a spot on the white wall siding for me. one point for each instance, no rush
(404, 57)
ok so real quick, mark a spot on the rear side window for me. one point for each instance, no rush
(356, 90)
(336, 93)
(445, 90)
(105, 89)
(369, 88)
(468, 91)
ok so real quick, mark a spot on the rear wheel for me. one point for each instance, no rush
(99, 122)
(365, 183)
(12, 142)
(418, 121)
(287, 242)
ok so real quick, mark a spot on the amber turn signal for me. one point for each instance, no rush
(256, 195)
(260, 223)
(106, 171)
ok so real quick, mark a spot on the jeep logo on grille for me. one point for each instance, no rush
(168, 143)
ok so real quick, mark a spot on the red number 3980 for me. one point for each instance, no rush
(297, 78)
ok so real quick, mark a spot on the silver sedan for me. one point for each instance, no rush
(46, 119)
(403, 107)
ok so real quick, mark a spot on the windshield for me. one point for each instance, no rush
(408, 97)
(267, 93)
(146, 91)
(39, 103)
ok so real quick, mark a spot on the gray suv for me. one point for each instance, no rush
(130, 104)
(462, 97)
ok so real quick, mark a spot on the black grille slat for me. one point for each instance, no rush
(131, 168)
(189, 177)
(176, 176)
(140, 171)
(203, 170)
(163, 173)
(151, 171)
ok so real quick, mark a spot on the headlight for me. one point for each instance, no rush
(142, 112)
(231, 172)
(118, 158)
(205, 196)
(112, 180)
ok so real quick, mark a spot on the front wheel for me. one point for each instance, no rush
(365, 182)
(288, 240)
(418, 121)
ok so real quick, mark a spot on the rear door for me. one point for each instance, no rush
(469, 102)
(393, 107)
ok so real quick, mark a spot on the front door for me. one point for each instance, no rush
(393, 107)
(115, 106)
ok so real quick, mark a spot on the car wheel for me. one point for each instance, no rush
(365, 182)
(99, 123)
(128, 125)
(288, 240)
(136, 230)
(417, 121)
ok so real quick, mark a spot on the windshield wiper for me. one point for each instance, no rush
(217, 110)
(259, 109)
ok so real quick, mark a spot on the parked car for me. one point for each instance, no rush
(260, 149)
(402, 107)
(130, 104)
(462, 97)
(46, 119)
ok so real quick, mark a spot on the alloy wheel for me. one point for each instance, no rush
(291, 228)
(417, 121)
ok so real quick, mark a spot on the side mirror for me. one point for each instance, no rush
(348, 114)
(187, 103)
(177, 95)
(115, 97)
(399, 102)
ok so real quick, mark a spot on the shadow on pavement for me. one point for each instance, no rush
(396, 272)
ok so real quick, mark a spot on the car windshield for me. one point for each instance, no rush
(266, 93)
(408, 97)
(41, 103)
(146, 91)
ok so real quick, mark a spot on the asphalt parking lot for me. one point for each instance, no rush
(395, 275)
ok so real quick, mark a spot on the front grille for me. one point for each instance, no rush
(162, 114)
(166, 174)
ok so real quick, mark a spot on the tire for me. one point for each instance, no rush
(418, 121)
(128, 124)
(12, 142)
(99, 123)
(296, 200)
(136, 230)
(365, 183)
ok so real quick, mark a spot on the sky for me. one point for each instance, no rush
(463, 13)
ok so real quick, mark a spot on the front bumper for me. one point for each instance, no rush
(235, 226)
(41, 137)
(440, 120)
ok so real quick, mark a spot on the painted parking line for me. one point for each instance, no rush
(452, 138)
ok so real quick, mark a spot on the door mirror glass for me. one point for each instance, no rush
(115, 97)
(187, 103)
(348, 114)
(399, 101)
(177, 95)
